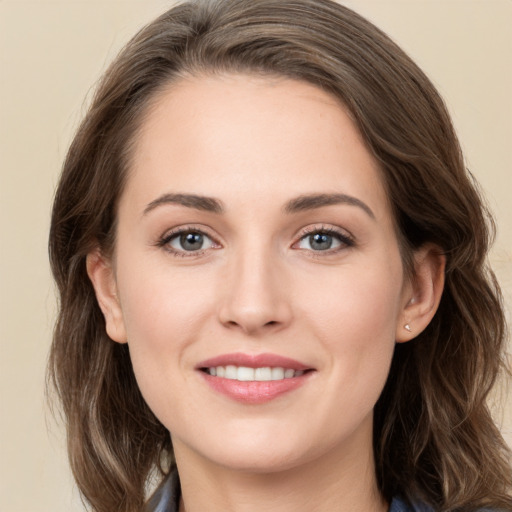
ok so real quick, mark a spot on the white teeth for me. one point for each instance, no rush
(277, 374)
(243, 373)
(263, 374)
(231, 373)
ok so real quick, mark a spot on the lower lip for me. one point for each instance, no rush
(254, 392)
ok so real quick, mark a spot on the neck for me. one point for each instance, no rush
(343, 479)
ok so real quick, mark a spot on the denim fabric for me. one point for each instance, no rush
(397, 505)
(167, 497)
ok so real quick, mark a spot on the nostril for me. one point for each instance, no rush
(251, 318)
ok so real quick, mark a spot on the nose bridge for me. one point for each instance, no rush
(255, 295)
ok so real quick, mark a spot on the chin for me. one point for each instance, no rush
(262, 453)
(261, 462)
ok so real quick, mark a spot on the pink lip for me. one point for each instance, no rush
(254, 392)
(253, 361)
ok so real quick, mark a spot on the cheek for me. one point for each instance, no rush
(160, 305)
(353, 305)
(164, 312)
(354, 316)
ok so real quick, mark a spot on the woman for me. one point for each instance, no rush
(271, 263)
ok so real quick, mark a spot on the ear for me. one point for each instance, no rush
(422, 293)
(102, 276)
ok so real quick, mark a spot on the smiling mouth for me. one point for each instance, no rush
(246, 374)
(254, 379)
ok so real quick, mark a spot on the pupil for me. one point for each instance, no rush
(320, 241)
(191, 241)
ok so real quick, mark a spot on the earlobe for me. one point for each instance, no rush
(423, 294)
(101, 274)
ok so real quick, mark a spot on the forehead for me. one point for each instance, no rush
(248, 137)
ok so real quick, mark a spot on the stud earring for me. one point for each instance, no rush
(407, 327)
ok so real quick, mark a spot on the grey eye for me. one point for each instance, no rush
(190, 241)
(320, 241)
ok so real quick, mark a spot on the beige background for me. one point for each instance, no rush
(51, 53)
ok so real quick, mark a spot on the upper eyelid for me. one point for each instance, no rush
(192, 228)
(168, 235)
(323, 228)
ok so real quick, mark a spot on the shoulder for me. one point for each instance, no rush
(400, 505)
(166, 497)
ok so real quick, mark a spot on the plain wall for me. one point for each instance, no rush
(52, 52)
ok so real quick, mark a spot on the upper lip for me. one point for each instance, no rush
(253, 361)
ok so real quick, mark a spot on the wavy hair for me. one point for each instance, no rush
(434, 438)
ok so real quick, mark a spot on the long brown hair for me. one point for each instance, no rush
(434, 438)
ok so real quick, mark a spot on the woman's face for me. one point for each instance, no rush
(255, 242)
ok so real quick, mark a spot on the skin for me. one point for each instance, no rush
(258, 286)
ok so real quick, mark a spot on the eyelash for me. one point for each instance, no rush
(345, 240)
(168, 237)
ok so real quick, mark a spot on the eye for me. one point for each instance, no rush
(324, 240)
(187, 241)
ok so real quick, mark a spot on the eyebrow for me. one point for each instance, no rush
(208, 204)
(298, 204)
(313, 201)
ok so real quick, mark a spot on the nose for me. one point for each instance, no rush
(255, 299)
